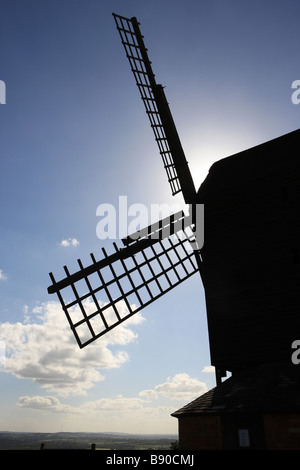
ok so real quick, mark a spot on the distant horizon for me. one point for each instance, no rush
(85, 440)
(91, 432)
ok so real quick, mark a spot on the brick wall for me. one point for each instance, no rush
(282, 431)
(200, 432)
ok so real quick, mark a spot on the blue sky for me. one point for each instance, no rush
(74, 135)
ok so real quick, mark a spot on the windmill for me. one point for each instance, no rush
(240, 262)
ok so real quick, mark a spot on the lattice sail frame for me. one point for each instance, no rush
(103, 295)
(157, 109)
(99, 297)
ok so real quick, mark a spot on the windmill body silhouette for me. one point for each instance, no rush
(240, 262)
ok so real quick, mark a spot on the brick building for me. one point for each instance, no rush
(258, 408)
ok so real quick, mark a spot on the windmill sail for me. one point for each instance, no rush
(157, 108)
(101, 296)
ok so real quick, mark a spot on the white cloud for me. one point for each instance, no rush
(181, 387)
(209, 369)
(148, 394)
(3, 276)
(46, 403)
(111, 405)
(45, 351)
(2, 353)
(69, 242)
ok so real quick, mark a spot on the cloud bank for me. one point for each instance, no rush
(145, 413)
(44, 350)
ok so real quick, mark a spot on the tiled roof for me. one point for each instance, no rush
(266, 388)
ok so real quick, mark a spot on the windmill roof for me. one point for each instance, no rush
(264, 389)
(254, 163)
